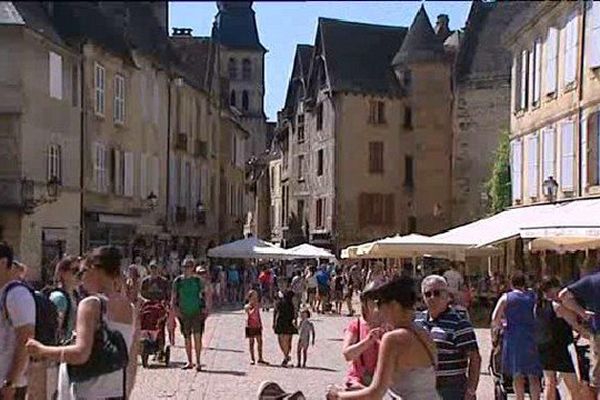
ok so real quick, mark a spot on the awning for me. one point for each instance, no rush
(309, 251)
(413, 245)
(563, 244)
(249, 248)
(577, 219)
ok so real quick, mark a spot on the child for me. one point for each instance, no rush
(254, 325)
(305, 330)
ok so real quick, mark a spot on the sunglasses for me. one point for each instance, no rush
(433, 293)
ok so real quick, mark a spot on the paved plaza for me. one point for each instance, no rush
(228, 374)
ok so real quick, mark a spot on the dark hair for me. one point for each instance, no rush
(106, 258)
(517, 279)
(288, 295)
(62, 266)
(400, 289)
(7, 252)
(549, 282)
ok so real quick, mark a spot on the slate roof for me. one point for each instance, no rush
(34, 15)
(421, 42)
(300, 70)
(235, 26)
(481, 52)
(358, 55)
(194, 54)
(304, 53)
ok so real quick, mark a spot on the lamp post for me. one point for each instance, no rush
(550, 189)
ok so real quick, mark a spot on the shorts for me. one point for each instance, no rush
(253, 332)
(556, 357)
(323, 290)
(311, 291)
(192, 324)
(338, 295)
(595, 360)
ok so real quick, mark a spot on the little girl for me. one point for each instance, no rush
(305, 331)
(254, 325)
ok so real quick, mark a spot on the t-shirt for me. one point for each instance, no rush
(454, 337)
(189, 292)
(155, 288)
(20, 307)
(586, 291)
(233, 276)
(297, 284)
(323, 278)
(61, 302)
(362, 369)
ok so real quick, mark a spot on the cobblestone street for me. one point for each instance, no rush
(228, 374)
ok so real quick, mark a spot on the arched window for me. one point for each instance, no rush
(246, 69)
(245, 100)
(232, 98)
(232, 68)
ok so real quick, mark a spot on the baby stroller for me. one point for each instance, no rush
(153, 319)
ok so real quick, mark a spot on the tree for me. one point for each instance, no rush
(498, 186)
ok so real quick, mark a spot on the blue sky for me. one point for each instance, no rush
(283, 25)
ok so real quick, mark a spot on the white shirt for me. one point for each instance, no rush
(454, 279)
(21, 311)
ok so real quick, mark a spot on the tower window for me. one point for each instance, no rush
(232, 68)
(245, 100)
(246, 69)
(408, 117)
(232, 98)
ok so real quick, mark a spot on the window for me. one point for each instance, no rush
(408, 171)
(551, 60)
(118, 172)
(100, 173)
(232, 68)
(55, 73)
(593, 151)
(144, 172)
(245, 100)
(567, 156)
(408, 117)
(300, 127)
(548, 154)
(300, 211)
(593, 49)
(128, 164)
(516, 169)
(532, 165)
(376, 112)
(155, 102)
(570, 49)
(232, 98)
(74, 86)
(411, 224)
(246, 69)
(54, 170)
(119, 101)
(524, 75)
(234, 148)
(535, 71)
(320, 116)
(376, 209)
(272, 178)
(320, 213)
(376, 157)
(407, 79)
(320, 155)
(232, 199)
(300, 167)
(99, 87)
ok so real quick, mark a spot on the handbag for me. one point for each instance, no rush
(109, 352)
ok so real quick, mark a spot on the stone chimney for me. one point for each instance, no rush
(442, 29)
(182, 32)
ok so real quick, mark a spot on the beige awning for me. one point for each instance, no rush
(413, 245)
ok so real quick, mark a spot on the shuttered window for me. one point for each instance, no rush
(54, 168)
(376, 209)
(155, 182)
(551, 57)
(320, 162)
(532, 165)
(129, 168)
(55, 75)
(570, 49)
(548, 154)
(524, 79)
(376, 157)
(593, 42)
(145, 176)
(567, 156)
(516, 83)
(592, 143)
(320, 213)
(100, 167)
(301, 167)
(99, 88)
(516, 169)
(119, 100)
(536, 70)
(118, 171)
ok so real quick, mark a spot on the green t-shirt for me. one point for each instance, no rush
(189, 293)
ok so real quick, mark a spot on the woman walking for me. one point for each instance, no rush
(284, 324)
(520, 357)
(63, 296)
(104, 305)
(311, 287)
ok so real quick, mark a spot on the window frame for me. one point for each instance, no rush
(99, 89)
(119, 99)
(319, 115)
(320, 162)
(55, 75)
(376, 157)
(54, 163)
(246, 69)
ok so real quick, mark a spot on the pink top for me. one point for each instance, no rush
(362, 369)
(254, 317)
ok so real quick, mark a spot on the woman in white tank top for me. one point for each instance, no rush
(98, 273)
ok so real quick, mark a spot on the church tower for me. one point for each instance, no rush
(242, 59)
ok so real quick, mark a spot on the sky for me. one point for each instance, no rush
(283, 25)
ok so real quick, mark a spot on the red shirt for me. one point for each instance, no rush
(254, 318)
(362, 369)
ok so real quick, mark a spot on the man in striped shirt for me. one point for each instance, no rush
(459, 361)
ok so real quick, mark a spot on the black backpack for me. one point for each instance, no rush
(47, 291)
(46, 315)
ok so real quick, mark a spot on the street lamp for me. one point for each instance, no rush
(152, 201)
(200, 212)
(28, 193)
(550, 189)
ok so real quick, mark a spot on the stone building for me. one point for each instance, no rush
(368, 144)
(555, 101)
(40, 135)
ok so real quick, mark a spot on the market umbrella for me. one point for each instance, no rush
(309, 251)
(249, 248)
(410, 246)
(563, 244)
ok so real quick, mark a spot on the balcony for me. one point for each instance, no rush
(200, 148)
(181, 142)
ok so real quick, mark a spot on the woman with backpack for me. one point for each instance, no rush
(100, 363)
(63, 295)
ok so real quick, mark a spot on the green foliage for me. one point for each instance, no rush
(498, 186)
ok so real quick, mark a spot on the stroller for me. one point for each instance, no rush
(153, 319)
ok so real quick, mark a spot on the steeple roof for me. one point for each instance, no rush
(421, 42)
(235, 26)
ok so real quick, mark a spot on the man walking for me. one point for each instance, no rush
(154, 286)
(582, 298)
(17, 326)
(459, 360)
(187, 299)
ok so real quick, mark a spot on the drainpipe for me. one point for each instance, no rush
(81, 150)
(582, 151)
(168, 194)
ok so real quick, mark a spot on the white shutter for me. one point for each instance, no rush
(551, 60)
(194, 185)
(593, 42)
(571, 39)
(515, 84)
(156, 101)
(145, 176)
(95, 161)
(524, 76)
(537, 78)
(129, 168)
(55, 75)
(173, 184)
(549, 154)
(531, 71)
(516, 169)
(204, 185)
(567, 156)
(155, 175)
(118, 170)
(182, 183)
(532, 165)
(49, 151)
(583, 133)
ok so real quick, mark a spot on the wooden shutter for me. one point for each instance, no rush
(532, 165)
(537, 78)
(155, 175)
(593, 48)
(173, 183)
(117, 174)
(55, 75)
(194, 185)
(570, 48)
(516, 86)
(567, 156)
(592, 148)
(516, 158)
(390, 210)
(144, 174)
(551, 60)
(549, 154)
(524, 77)
(531, 75)
(129, 170)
